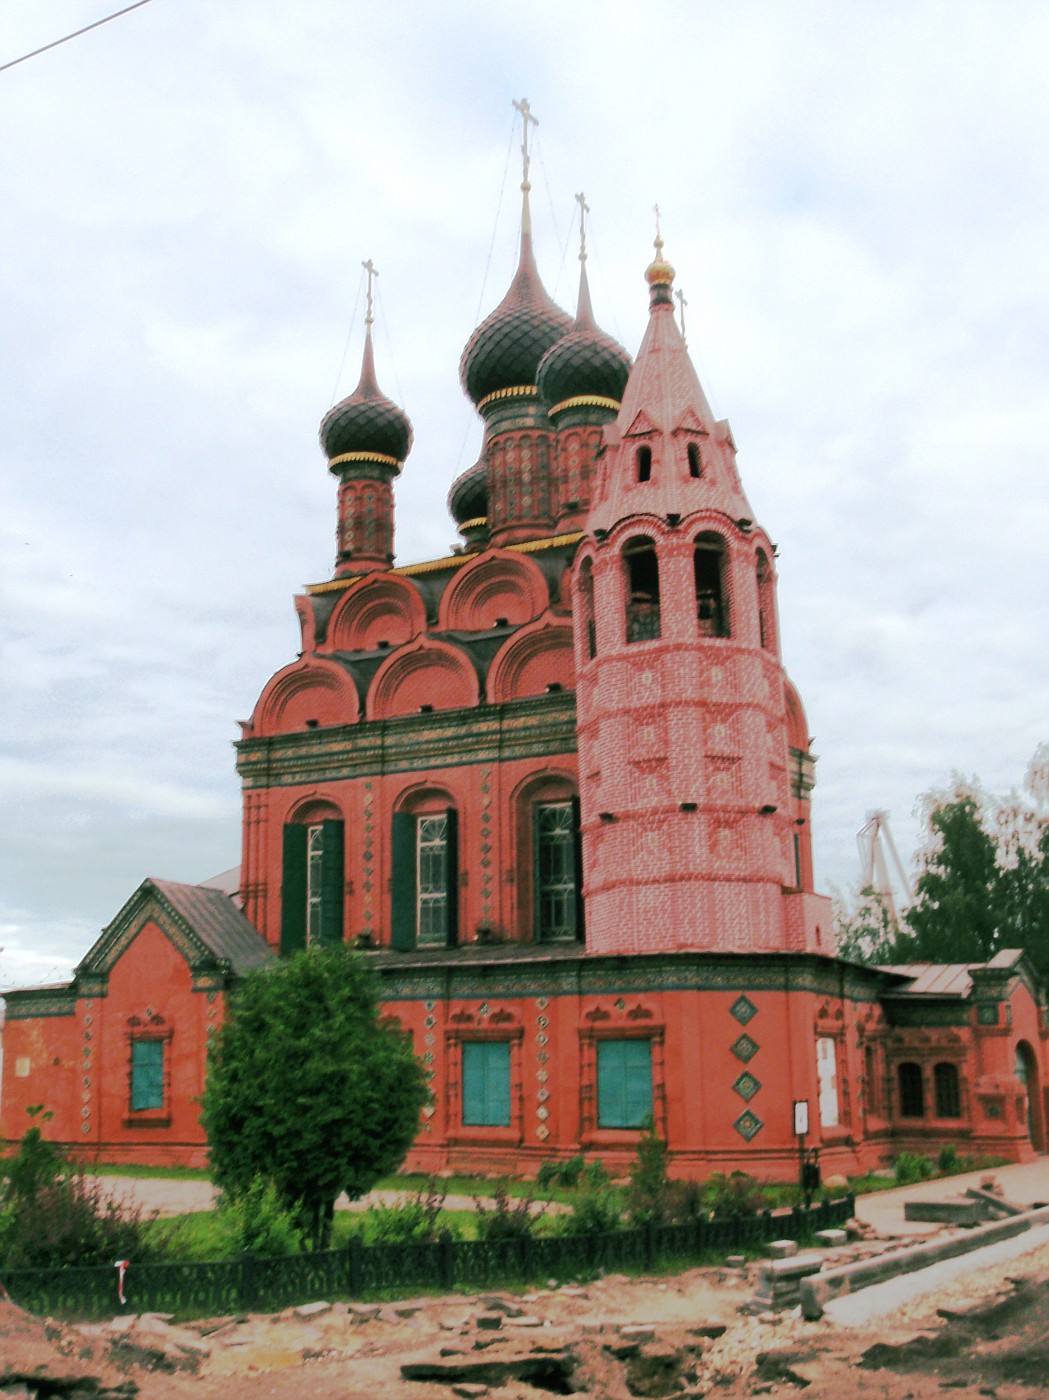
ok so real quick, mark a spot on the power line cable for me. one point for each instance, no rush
(75, 35)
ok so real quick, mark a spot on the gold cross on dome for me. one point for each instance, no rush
(526, 116)
(372, 272)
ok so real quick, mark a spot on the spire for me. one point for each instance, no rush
(368, 382)
(584, 315)
(664, 411)
(526, 160)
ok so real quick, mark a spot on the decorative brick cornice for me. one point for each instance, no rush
(533, 728)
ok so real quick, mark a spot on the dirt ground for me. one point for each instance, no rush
(986, 1334)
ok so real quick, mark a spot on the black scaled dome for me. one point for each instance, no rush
(584, 363)
(367, 422)
(505, 349)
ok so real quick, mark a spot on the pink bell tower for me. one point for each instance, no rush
(693, 757)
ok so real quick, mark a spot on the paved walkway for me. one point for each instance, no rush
(1023, 1184)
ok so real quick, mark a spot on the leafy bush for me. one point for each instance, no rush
(51, 1215)
(593, 1212)
(507, 1218)
(649, 1193)
(255, 1219)
(736, 1196)
(912, 1166)
(413, 1221)
(566, 1173)
(948, 1159)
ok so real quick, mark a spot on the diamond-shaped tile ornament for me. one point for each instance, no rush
(748, 1125)
(743, 1009)
(746, 1086)
(745, 1048)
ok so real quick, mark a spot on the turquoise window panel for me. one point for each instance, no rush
(147, 1075)
(486, 1083)
(624, 1083)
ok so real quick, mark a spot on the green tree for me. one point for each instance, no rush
(955, 915)
(867, 932)
(308, 1087)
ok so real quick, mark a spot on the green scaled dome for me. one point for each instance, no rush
(586, 362)
(505, 349)
(367, 422)
(468, 498)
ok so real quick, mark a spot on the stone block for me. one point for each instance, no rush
(781, 1249)
(779, 1282)
(832, 1239)
(957, 1212)
(736, 1261)
(310, 1310)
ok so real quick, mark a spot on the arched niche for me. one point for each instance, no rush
(310, 694)
(766, 601)
(496, 588)
(379, 610)
(426, 675)
(544, 811)
(534, 661)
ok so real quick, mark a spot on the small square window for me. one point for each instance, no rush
(624, 1083)
(486, 1083)
(147, 1075)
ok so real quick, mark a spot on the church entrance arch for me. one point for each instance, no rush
(1026, 1071)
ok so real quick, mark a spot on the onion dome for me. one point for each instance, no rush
(504, 351)
(367, 425)
(586, 364)
(659, 275)
(468, 498)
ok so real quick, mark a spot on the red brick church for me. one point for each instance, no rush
(556, 787)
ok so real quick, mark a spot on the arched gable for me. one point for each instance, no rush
(427, 674)
(533, 660)
(309, 694)
(495, 588)
(379, 609)
(797, 724)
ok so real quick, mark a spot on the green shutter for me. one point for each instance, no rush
(147, 1075)
(451, 875)
(293, 890)
(486, 1083)
(624, 1083)
(577, 837)
(332, 864)
(402, 881)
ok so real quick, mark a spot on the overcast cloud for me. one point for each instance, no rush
(856, 199)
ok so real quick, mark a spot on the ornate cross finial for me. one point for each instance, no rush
(372, 272)
(584, 210)
(682, 304)
(526, 117)
(658, 244)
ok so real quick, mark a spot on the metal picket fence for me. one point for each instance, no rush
(252, 1283)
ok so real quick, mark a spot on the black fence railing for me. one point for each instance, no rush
(251, 1283)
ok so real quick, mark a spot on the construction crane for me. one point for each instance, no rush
(877, 849)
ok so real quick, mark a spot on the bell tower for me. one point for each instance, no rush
(694, 790)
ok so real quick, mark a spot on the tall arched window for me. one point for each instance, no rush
(641, 567)
(586, 599)
(712, 602)
(425, 873)
(766, 606)
(557, 867)
(312, 885)
(912, 1091)
(948, 1092)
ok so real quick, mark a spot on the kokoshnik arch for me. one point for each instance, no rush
(556, 787)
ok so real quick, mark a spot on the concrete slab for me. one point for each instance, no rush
(860, 1309)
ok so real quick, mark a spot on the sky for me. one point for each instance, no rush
(855, 197)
